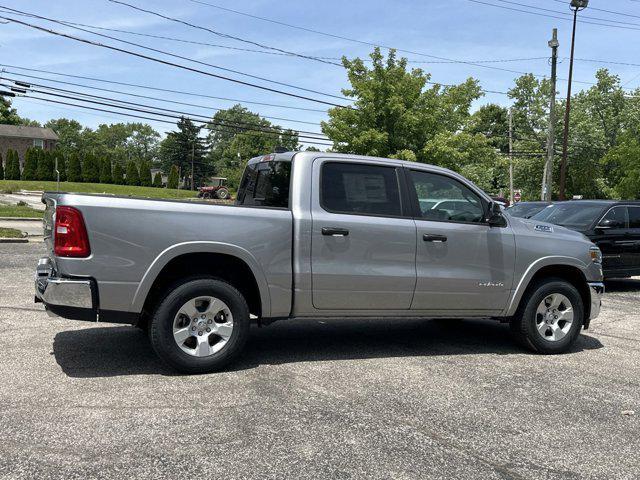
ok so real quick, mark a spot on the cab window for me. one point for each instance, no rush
(444, 199)
(615, 218)
(265, 184)
(360, 189)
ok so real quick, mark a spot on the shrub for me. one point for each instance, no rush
(90, 169)
(145, 174)
(30, 170)
(13, 166)
(105, 171)
(118, 174)
(157, 180)
(74, 168)
(133, 177)
(45, 165)
(172, 181)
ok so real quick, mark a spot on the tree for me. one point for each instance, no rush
(172, 181)
(492, 121)
(157, 180)
(231, 145)
(30, 169)
(393, 108)
(8, 114)
(12, 166)
(105, 171)
(90, 169)
(118, 174)
(179, 147)
(45, 165)
(133, 177)
(72, 137)
(74, 168)
(145, 174)
(626, 157)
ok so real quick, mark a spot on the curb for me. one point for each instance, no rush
(14, 240)
(20, 219)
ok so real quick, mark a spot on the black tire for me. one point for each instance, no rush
(206, 195)
(161, 328)
(524, 324)
(222, 193)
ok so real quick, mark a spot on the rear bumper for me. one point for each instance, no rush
(596, 290)
(75, 299)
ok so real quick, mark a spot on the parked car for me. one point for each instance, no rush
(313, 234)
(613, 226)
(526, 209)
(216, 189)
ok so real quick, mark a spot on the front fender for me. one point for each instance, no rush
(179, 249)
(531, 271)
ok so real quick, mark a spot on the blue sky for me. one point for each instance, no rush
(456, 29)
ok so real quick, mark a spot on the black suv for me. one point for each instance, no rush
(613, 226)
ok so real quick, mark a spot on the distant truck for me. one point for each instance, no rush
(314, 234)
(216, 189)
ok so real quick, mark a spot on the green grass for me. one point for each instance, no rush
(10, 233)
(150, 192)
(16, 211)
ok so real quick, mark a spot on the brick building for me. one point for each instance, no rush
(20, 138)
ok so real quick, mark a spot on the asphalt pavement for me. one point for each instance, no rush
(392, 398)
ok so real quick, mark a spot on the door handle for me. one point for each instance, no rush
(335, 232)
(434, 238)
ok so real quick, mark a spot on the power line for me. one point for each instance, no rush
(150, 110)
(166, 62)
(170, 54)
(230, 129)
(603, 10)
(178, 113)
(504, 7)
(220, 34)
(119, 92)
(147, 87)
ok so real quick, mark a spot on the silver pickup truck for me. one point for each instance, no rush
(314, 235)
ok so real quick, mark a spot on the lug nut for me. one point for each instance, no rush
(209, 321)
(202, 317)
(193, 328)
(208, 329)
(200, 334)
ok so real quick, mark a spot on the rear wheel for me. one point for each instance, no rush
(206, 195)
(222, 193)
(201, 326)
(550, 318)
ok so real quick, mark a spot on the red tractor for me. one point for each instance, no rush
(216, 189)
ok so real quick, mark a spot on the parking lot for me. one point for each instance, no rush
(386, 398)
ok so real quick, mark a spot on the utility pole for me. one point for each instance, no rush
(576, 6)
(193, 154)
(510, 156)
(547, 176)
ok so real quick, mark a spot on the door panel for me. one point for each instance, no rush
(461, 262)
(634, 237)
(360, 261)
(611, 240)
(471, 270)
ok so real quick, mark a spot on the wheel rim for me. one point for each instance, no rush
(554, 317)
(203, 326)
(222, 194)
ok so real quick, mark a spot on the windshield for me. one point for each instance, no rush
(577, 216)
(525, 210)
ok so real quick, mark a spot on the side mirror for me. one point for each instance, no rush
(495, 218)
(609, 224)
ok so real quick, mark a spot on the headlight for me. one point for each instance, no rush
(596, 255)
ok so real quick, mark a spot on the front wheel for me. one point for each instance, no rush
(550, 318)
(201, 326)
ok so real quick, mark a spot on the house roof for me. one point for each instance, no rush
(21, 131)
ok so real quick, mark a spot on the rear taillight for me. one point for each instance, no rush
(70, 235)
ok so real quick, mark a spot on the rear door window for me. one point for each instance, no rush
(360, 189)
(634, 217)
(265, 184)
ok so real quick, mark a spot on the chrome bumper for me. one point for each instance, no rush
(69, 298)
(596, 289)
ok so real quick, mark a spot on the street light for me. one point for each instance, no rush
(576, 6)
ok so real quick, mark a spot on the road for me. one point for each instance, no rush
(313, 399)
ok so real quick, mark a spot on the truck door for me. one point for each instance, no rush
(612, 239)
(363, 244)
(462, 263)
(634, 237)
